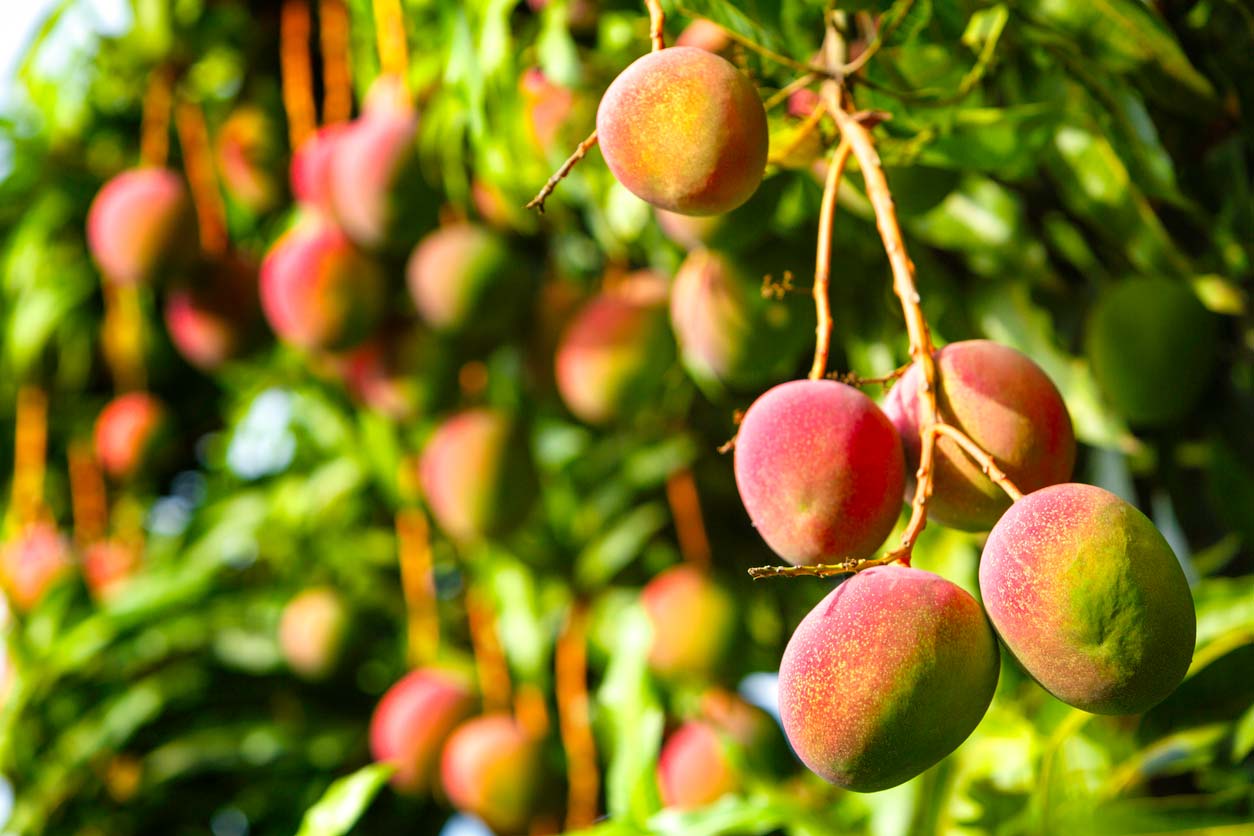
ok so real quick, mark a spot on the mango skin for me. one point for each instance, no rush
(131, 434)
(32, 562)
(695, 767)
(885, 677)
(491, 768)
(684, 130)
(1153, 348)
(214, 316)
(108, 565)
(694, 621)
(318, 291)
(820, 471)
(311, 167)
(139, 224)
(312, 632)
(476, 474)
(728, 334)
(1089, 598)
(465, 278)
(394, 372)
(1008, 406)
(378, 194)
(613, 353)
(412, 722)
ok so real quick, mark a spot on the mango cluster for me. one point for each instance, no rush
(894, 668)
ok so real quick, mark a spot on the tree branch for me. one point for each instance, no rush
(581, 151)
(823, 259)
(981, 457)
(657, 23)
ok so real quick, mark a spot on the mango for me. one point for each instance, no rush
(695, 767)
(1007, 405)
(1153, 349)
(108, 565)
(318, 291)
(393, 372)
(215, 314)
(1089, 598)
(467, 279)
(412, 722)
(32, 562)
(139, 224)
(311, 168)
(132, 433)
(378, 193)
(491, 768)
(312, 631)
(693, 620)
(885, 677)
(613, 353)
(476, 474)
(820, 471)
(684, 130)
(729, 335)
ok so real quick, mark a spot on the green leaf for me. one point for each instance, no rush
(632, 720)
(1243, 736)
(744, 18)
(1125, 37)
(619, 545)
(345, 801)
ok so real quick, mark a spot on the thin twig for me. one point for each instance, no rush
(981, 457)
(921, 348)
(581, 151)
(772, 55)
(574, 723)
(854, 379)
(781, 95)
(413, 546)
(337, 90)
(389, 26)
(154, 136)
(202, 178)
(685, 503)
(657, 23)
(490, 662)
(296, 71)
(823, 259)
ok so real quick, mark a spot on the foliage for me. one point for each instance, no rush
(1039, 153)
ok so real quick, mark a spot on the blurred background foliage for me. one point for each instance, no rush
(1040, 154)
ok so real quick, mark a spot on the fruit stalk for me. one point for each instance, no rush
(986, 462)
(855, 134)
(88, 500)
(389, 25)
(418, 584)
(823, 260)
(490, 662)
(681, 494)
(30, 448)
(297, 74)
(154, 137)
(198, 162)
(657, 23)
(575, 725)
(337, 97)
(581, 151)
